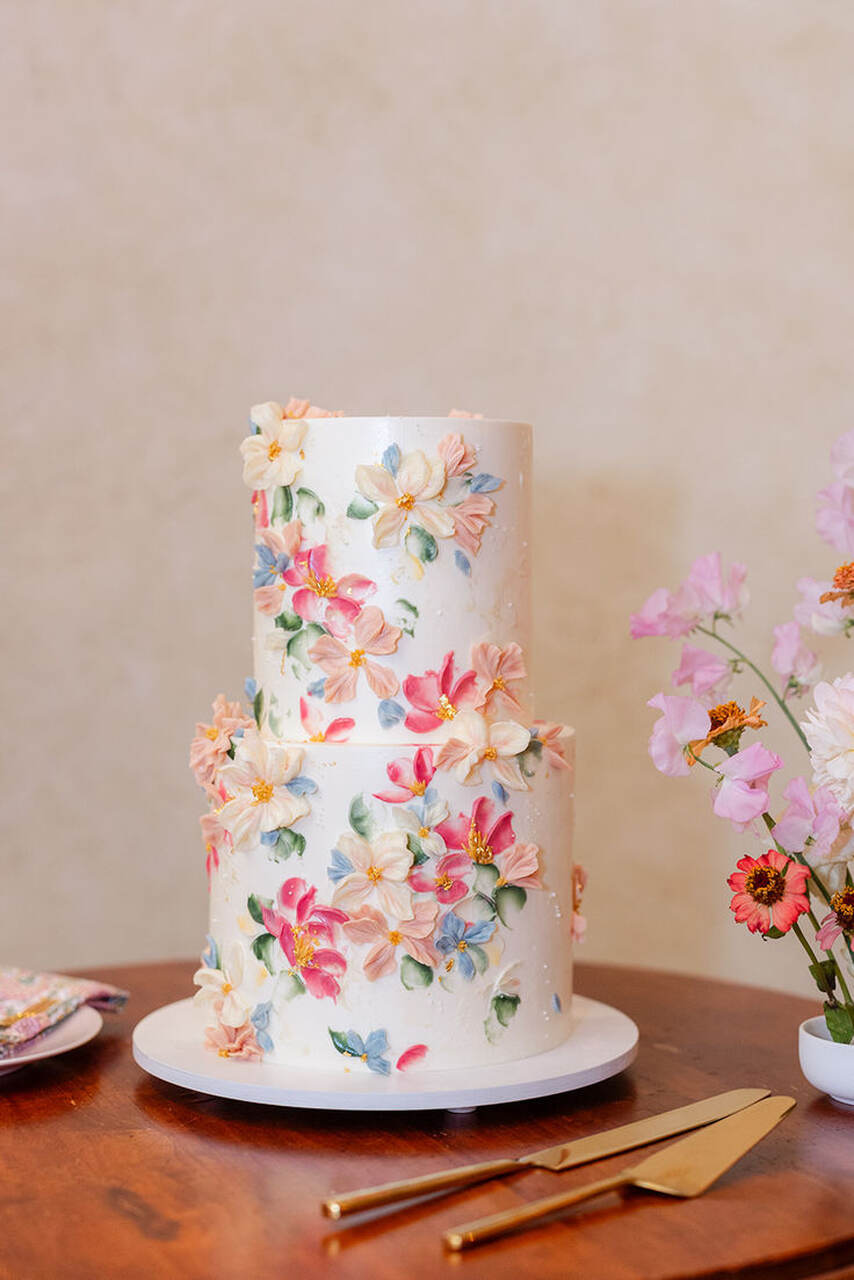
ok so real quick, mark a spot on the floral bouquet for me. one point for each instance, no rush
(803, 883)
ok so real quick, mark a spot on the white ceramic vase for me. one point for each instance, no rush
(827, 1065)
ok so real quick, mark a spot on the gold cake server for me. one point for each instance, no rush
(566, 1155)
(685, 1168)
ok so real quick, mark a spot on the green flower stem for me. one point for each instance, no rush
(709, 631)
(801, 936)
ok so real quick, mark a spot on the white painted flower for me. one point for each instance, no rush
(224, 985)
(272, 456)
(423, 826)
(259, 798)
(829, 728)
(380, 868)
(476, 744)
(406, 497)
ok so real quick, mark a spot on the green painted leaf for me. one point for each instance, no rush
(509, 899)
(287, 842)
(290, 985)
(309, 506)
(339, 1039)
(283, 505)
(421, 544)
(361, 818)
(264, 949)
(407, 606)
(485, 876)
(529, 759)
(275, 724)
(407, 616)
(840, 1022)
(480, 907)
(414, 974)
(505, 1008)
(361, 508)
(258, 707)
(288, 620)
(300, 643)
(416, 848)
(824, 975)
(230, 751)
(481, 959)
(255, 905)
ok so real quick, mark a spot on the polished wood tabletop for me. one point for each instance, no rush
(106, 1172)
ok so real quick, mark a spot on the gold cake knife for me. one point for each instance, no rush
(566, 1155)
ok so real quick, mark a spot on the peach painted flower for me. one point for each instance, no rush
(464, 413)
(406, 498)
(273, 455)
(553, 737)
(521, 866)
(380, 868)
(215, 839)
(221, 987)
(260, 510)
(312, 722)
(457, 455)
(306, 933)
(446, 879)
(372, 636)
(497, 670)
(409, 778)
(412, 936)
(274, 550)
(319, 597)
(438, 696)
(578, 927)
(212, 742)
(257, 785)
(769, 890)
(471, 517)
(234, 1042)
(476, 744)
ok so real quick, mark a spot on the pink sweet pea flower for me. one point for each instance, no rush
(301, 925)
(371, 926)
(482, 834)
(521, 867)
(497, 669)
(743, 794)
(810, 823)
(790, 658)
(446, 879)
(706, 673)
(438, 696)
(834, 517)
(666, 613)
(553, 736)
(372, 636)
(706, 591)
(471, 517)
(769, 891)
(476, 743)
(839, 920)
(683, 720)
(319, 598)
(312, 722)
(719, 594)
(828, 618)
(457, 455)
(408, 777)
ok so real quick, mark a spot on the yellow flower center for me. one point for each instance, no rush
(418, 788)
(212, 733)
(363, 1057)
(318, 737)
(765, 885)
(223, 1053)
(423, 832)
(443, 882)
(324, 587)
(490, 754)
(303, 949)
(723, 712)
(462, 945)
(274, 450)
(499, 683)
(500, 882)
(262, 791)
(842, 904)
(476, 847)
(226, 987)
(406, 502)
(374, 874)
(446, 709)
(357, 658)
(395, 937)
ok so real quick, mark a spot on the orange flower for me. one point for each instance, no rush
(843, 581)
(729, 719)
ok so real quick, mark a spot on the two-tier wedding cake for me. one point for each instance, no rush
(389, 839)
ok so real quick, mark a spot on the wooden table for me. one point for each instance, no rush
(105, 1172)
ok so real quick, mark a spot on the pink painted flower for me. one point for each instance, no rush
(825, 618)
(553, 736)
(408, 777)
(683, 721)
(212, 742)
(790, 658)
(275, 549)
(406, 498)
(811, 821)
(471, 517)
(259, 508)
(770, 891)
(438, 696)
(409, 1057)
(372, 636)
(320, 598)
(446, 879)
(743, 794)
(215, 838)
(834, 517)
(482, 834)
(234, 1042)
(708, 674)
(412, 936)
(521, 866)
(497, 670)
(380, 870)
(457, 455)
(311, 717)
(578, 926)
(302, 927)
(839, 920)
(476, 744)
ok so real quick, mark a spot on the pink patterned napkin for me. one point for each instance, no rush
(31, 1003)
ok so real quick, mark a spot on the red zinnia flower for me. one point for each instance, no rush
(770, 891)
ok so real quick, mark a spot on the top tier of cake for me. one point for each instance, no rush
(391, 557)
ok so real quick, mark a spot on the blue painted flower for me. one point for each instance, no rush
(456, 937)
(270, 566)
(370, 1051)
(250, 687)
(210, 955)
(260, 1019)
(340, 867)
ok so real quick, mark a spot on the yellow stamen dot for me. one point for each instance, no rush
(443, 882)
(499, 683)
(226, 987)
(449, 964)
(274, 450)
(303, 949)
(223, 1053)
(418, 788)
(446, 709)
(363, 1057)
(212, 733)
(357, 658)
(462, 945)
(395, 937)
(406, 502)
(490, 754)
(323, 587)
(766, 885)
(318, 737)
(499, 882)
(423, 832)
(476, 847)
(262, 791)
(374, 874)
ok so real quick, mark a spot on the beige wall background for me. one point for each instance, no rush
(627, 221)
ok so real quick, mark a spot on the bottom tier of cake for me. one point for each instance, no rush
(399, 917)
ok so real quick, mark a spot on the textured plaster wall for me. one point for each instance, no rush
(628, 222)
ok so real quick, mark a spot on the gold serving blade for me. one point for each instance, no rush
(685, 1168)
(567, 1155)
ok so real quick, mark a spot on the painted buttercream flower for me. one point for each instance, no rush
(212, 742)
(743, 794)
(215, 839)
(370, 1050)
(311, 717)
(438, 696)
(705, 672)
(521, 866)
(706, 592)
(834, 518)
(260, 509)
(257, 784)
(408, 777)
(380, 868)
(412, 936)
(273, 455)
(829, 729)
(445, 879)
(409, 1057)
(482, 834)
(791, 659)
(578, 926)
(274, 551)
(818, 614)
(455, 938)
(497, 670)
(234, 1042)
(372, 636)
(683, 721)
(770, 891)
(422, 825)
(471, 517)
(407, 497)
(457, 455)
(320, 598)
(222, 987)
(553, 736)
(839, 920)
(811, 821)
(476, 744)
(306, 934)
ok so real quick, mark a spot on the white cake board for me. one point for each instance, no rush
(169, 1044)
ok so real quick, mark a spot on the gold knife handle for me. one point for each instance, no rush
(372, 1197)
(499, 1224)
